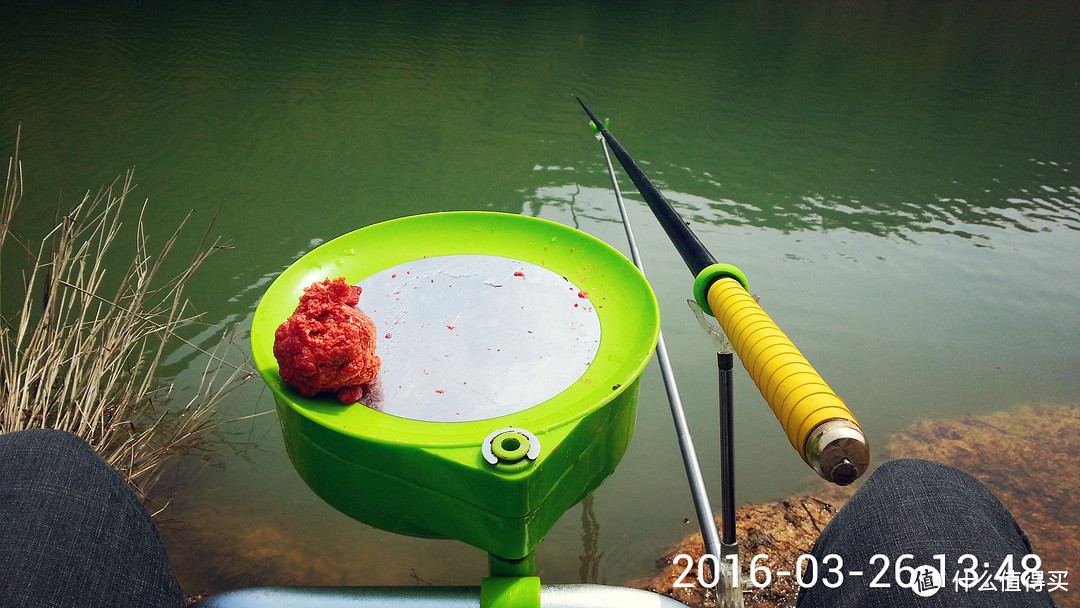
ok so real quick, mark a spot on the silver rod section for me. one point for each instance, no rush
(706, 520)
(345, 597)
(602, 596)
(551, 596)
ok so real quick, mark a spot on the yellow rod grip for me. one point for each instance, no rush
(798, 396)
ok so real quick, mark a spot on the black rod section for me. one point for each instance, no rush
(696, 256)
(725, 361)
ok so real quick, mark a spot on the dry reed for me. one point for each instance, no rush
(79, 356)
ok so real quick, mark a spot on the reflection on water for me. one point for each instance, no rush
(591, 554)
(898, 180)
(1056, 208)
(1032, 197)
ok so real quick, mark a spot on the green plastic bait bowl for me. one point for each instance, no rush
(512, 348)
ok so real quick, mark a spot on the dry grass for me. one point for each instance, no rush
(80, 353)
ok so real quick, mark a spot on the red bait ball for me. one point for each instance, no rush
(327, 345)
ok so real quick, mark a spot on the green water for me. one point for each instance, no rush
(898, 179)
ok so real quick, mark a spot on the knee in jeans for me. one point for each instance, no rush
(916, 472)
(53, 439)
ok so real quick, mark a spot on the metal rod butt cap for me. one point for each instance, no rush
(837, 449)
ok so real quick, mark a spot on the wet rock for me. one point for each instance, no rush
(784, 530)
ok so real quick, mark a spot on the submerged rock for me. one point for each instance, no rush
(784, 530)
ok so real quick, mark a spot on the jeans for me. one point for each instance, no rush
(924, 509)
(72, 533)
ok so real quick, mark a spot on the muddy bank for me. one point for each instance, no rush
(1026, 455)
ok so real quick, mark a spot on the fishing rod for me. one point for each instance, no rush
(816, 421)
(698, 492)
(728, 592)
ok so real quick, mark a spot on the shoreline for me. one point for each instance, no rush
(998, 449)
(237, 553)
